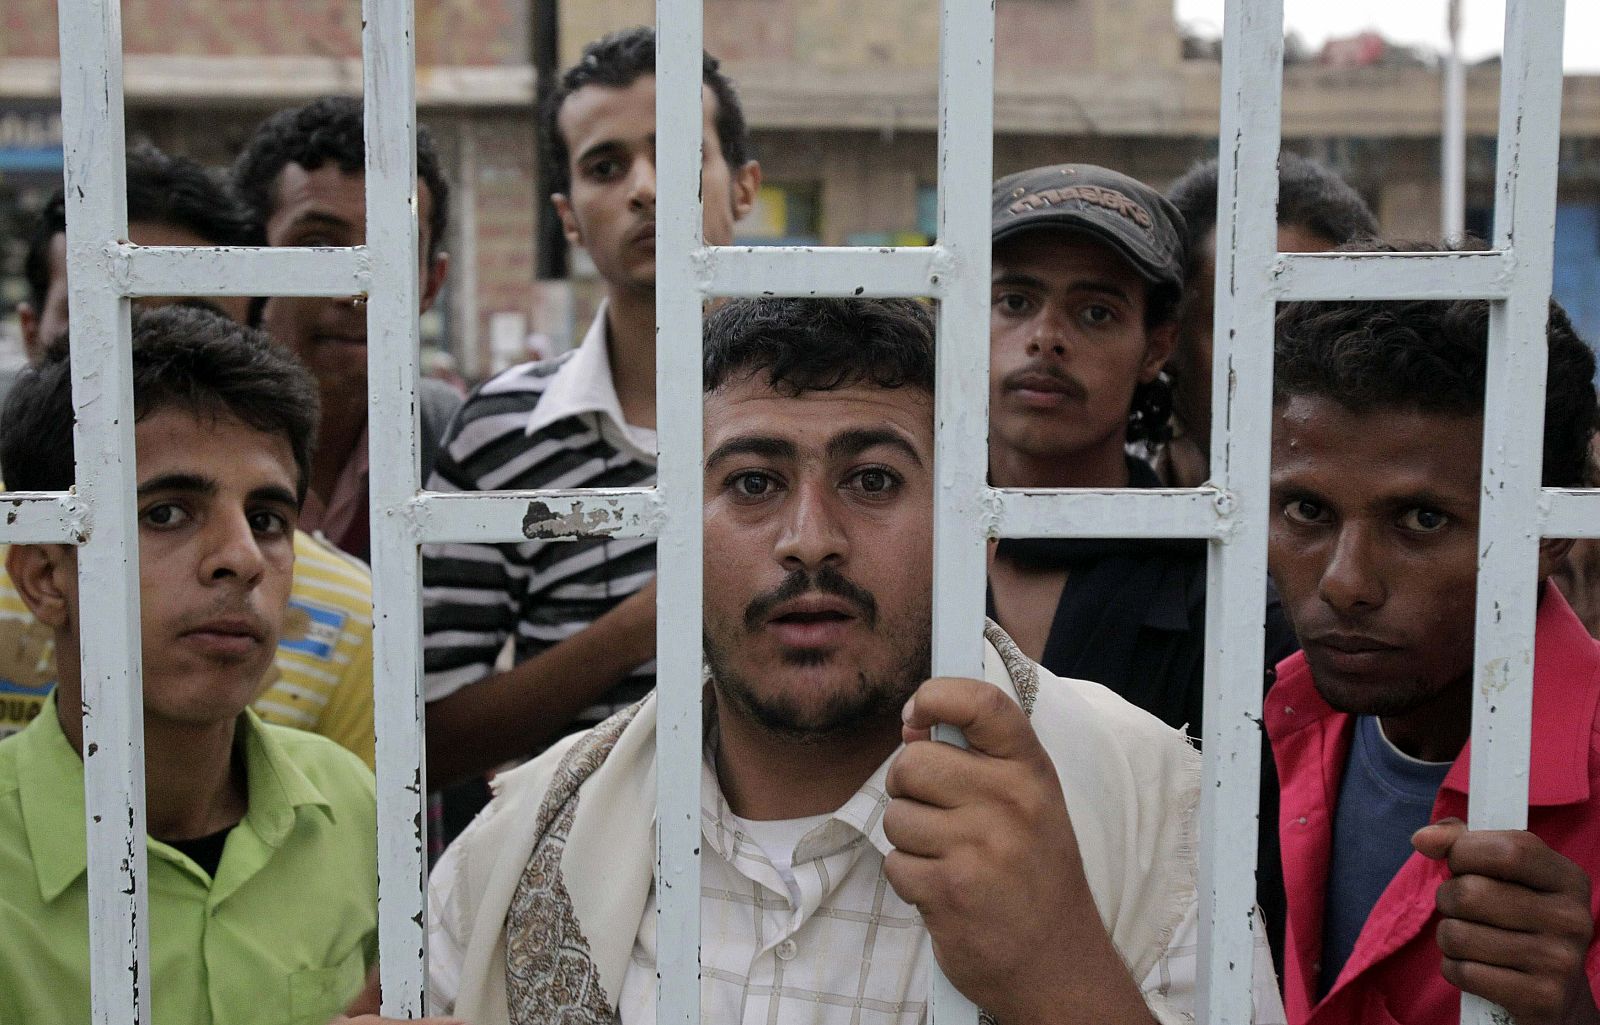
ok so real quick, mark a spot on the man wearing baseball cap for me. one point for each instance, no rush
(1084, 301)
(1087, 275)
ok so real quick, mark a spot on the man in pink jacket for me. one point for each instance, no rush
(1395, 907)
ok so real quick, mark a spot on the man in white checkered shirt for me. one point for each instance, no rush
(1052, 865)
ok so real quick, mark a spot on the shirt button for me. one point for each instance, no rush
(1288, 710)
(788, 949)
(1301, 820)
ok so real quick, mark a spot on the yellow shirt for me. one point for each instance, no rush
(321, 680)
(283, 934)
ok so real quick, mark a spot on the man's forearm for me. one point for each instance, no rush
(1097, 990)
(510, 714)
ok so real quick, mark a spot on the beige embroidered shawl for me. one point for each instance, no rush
(557, 872)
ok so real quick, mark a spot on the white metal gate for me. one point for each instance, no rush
(1231, 511)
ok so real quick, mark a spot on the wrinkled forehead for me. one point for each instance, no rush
(1375, 453)
(812, 420)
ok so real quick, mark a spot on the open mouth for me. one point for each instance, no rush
(811, 628)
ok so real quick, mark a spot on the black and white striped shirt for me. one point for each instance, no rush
(552, 424)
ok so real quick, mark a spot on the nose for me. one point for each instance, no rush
(1351, 582)
(232, 550)
(812, 535)
(1047, 333)
(642, 183)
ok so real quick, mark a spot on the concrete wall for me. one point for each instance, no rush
(887, 35)
(469, 32)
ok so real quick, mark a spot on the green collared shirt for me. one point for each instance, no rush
(284, 933)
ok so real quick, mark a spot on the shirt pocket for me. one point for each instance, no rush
(316, 995)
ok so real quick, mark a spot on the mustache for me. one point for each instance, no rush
(1019, 378)
(827, 580)
(227, 608)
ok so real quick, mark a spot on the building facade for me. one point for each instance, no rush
(841, 99)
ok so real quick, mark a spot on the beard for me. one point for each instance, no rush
(796, 715)
(1396, 696)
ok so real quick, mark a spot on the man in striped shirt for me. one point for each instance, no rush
(581, 614)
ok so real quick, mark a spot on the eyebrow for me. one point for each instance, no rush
(1019, 279)
(274, 493)
(188, 483)
(195, 484)
(1420, 498)
(855, 442)
(607, 146)
(753, 445)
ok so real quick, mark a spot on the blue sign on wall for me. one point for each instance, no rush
(30, 137)
(1576, 284)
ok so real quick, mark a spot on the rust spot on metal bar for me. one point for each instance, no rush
(543, 522)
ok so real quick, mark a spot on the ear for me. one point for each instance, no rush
(28, 318)
(746, 183)
(434, 280)
(1552, 553)
(569, 223)
(46, 577)
(1163, 339)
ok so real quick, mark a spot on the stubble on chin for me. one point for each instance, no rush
(849, 710)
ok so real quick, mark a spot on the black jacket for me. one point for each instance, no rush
(1132, 617)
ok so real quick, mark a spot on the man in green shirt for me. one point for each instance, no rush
(261, 850)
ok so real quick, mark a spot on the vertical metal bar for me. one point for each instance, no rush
(1246, 246)
(679, 236)
(390, 113)
(1508, 531)
(961, 418)
(1453, 134)
(465, 308)
(108, 564)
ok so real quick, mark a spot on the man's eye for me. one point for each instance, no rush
(1097, 315)
(268, 522)
(751, 484)
(165, 515)
(1303, 510)
(1012, 303)
(603, 170)
(1424, 521)
(875, 481)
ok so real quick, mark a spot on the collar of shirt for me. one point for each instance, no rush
(50, 777)
(837, 842)
(1566, 693)
(859, 818)
(337, 515)
(583, 384)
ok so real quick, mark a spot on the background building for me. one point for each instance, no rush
(843, 109)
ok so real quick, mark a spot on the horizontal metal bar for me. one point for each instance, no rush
(238, 270)
(43, 518)
(1570, 513)
(1475, 275)
(823, 270)
(1152, 513)
(498, 517)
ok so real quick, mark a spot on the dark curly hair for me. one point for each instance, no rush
(617, 61)
(183, 356)
(1432, 356)
(803, 345)
(326, 130)
(162, 189)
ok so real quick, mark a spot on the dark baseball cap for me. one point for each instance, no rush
(1128, 215)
